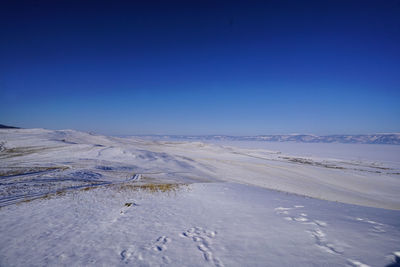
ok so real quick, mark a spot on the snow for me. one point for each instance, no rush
(216, 224)
(71, 198)
(388, 154)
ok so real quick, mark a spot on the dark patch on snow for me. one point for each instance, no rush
(2, 126)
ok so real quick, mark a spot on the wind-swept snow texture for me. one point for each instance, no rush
(71, 198)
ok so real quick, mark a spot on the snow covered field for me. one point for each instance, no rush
(77, 199)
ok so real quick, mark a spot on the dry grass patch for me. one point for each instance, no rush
(26, 200)
(313, 163)
(87, 188)
(151, 187)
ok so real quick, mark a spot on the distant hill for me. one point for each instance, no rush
(389, 138)
(8, 127)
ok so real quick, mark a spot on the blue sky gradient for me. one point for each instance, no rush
(201, 67)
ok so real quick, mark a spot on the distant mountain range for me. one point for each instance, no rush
(390, 138)
(380, 138)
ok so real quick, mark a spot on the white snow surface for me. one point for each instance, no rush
(69, 198)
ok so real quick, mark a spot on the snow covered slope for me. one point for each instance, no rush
(211, 224)
(77, 199)
(35, 162)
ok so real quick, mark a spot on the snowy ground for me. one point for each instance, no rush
(76, 199)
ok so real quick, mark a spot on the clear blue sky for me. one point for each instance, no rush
(201, 67)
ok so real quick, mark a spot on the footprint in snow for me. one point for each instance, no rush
(161, 243)
(302, 217)
(318, 235)
(131, 254)
(323, 243)
(203, 240)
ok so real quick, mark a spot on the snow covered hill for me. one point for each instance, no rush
(2, 126)
(86, 199)
(46, 161)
